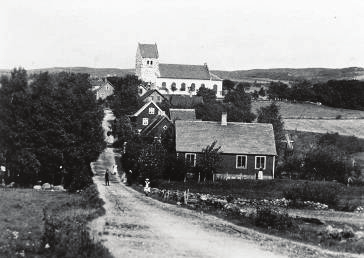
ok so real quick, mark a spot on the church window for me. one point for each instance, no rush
(183, 86)
(164, 85)
(215, 88)
(173, 86)
(193, 87)
(148, 62)
(151, 62)
(202, 85)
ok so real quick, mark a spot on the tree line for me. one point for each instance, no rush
(50, 127)
(334, 93)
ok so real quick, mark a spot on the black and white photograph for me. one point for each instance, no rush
(170, 128)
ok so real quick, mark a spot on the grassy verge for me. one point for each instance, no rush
(48, 224)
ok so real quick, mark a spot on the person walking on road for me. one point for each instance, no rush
(107, 177)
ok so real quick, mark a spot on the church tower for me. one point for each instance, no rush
(147, 63)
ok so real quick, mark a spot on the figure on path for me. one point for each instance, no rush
(114, 169)
(107, 177)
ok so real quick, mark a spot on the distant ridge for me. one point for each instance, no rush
(291, 74)
(259, 75)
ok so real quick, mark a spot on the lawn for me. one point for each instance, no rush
(22, 223)
(310, 111)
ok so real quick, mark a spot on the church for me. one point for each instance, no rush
(170, 79)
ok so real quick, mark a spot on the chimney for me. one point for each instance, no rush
(224, 118)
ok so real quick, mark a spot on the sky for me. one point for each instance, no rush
(227, 35)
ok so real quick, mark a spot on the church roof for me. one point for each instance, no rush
(148, 50)
(180, 71)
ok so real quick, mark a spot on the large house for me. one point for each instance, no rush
(246, 147)
(173, 78)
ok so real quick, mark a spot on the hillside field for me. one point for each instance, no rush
(348, 127)
(310, 111)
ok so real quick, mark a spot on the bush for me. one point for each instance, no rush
(273, 217)
(322, 192)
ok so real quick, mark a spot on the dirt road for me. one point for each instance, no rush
(137, 226)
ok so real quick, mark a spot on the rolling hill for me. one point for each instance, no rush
(259, 75)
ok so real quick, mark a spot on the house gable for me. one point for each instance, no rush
(145, 115)
(153, 95)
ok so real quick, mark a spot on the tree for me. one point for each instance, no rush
(270, 114)
(125, 99)
(239, 98)
(277, 90)
(209, 161)
(151, 161)
(52, 121)
(208, 95)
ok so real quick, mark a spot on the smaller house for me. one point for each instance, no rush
(246, 147)
(182, 114)
(145, 115)
(103, 89)
(154, 95)
(156, 127)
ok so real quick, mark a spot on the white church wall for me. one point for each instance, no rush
(168, 81)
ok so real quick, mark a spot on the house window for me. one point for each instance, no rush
(260, 162)
(151, 111)
(158, 98)
(165, 127)
(183, 86)
(191, 159)
(145, 121)
(140, 91)
(241, 161)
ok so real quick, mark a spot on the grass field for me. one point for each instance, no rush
(350, 127)
(310, 111)
(24, 230)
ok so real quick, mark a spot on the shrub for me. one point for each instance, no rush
(322, 192)
(273, 217)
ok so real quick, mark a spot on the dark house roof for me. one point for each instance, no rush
(180, 71)
(184, 101)
(182, 114)
(150, 92)
(234, 138)
(148, 50)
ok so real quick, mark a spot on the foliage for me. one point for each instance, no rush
(335, 93)
(66, 232)
(122, 130)
(125, 99)
(209, 161)
(270, 114)
(326, 163)
(228, 85)
(315, 191)
(151, 161)
(208, 95)
(49, 121)
(273, 217)
(347, 144)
